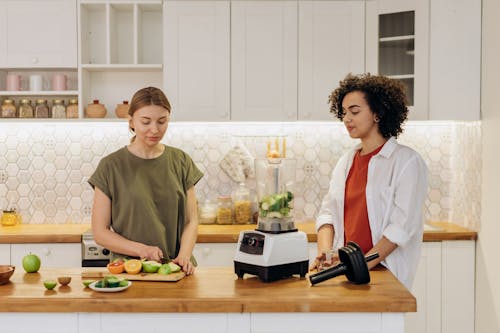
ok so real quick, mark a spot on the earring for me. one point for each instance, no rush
(377, 119)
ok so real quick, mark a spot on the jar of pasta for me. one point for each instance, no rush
(224, 210)
(242, 205)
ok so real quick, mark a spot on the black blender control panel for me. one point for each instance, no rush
(252, 243)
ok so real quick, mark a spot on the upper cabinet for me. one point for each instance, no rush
(434, 48)
(331, 45)
(455, 60)
(121, 50)
(197, 59)
(259, 60)
(398, 47)
(264, 60)
(38, 34)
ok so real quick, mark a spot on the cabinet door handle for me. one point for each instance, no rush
(34, 60)
(206, 251)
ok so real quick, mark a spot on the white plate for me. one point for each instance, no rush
(108, 290)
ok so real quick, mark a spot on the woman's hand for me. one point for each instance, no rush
(150, 253)
(326, 259)
(185, 263)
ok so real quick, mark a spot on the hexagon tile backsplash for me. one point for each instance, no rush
(44, 167)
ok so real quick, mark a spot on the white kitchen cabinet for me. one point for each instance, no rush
(331, 45)
(214, 254)
(427, 289)
(38, 34)
(444, 287)
(121, 50)
(397, 37)
(197, 59)
(4, 254)
(264, 60)
(51, 255)
(455, 60)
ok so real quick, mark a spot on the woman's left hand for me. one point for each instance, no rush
(186, 264)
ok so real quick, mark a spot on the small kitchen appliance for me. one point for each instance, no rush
(93, 254)
(276, 249)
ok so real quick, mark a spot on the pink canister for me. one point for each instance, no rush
(13, 82)
(59, 82)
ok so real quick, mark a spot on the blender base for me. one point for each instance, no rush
(272, 273)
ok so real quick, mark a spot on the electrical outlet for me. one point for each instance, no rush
(3, 177)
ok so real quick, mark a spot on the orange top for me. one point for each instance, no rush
(356, 224)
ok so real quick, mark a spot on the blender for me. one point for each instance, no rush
(275, 249)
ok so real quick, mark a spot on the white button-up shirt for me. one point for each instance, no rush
(396, 188)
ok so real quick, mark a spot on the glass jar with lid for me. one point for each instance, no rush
(58, 109)
(25, 109)
(242, 205)
(9, 109)
(42, 109)
(208, 212)
(72, 109)
(224, 210)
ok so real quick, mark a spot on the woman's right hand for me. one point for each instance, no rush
(150, 253)
(324, 260)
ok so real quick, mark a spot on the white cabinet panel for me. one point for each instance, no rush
(331, 45)
(196, 73)
(4, 254)
(38, 34)
(427, 289)
(215, 254)
(264, 60)
(455, 60)
(51, 255)
(458, 294)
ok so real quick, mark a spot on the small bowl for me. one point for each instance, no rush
(64, 280)
(6, 272)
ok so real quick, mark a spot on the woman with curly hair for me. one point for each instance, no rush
(377, 189)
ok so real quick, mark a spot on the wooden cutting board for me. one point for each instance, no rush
(88, 273)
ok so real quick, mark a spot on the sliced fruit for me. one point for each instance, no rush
(116, 267)
(150, 266)
(174, 267)
(133, 266)
(87, 283)
(123, 283)
(50, 284)
(112, 281)
(165, 269)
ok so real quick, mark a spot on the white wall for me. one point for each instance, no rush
(488, 268)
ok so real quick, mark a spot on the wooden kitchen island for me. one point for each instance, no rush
(211, 300)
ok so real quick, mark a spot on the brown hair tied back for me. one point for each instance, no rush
(145, 97)
(386, 98)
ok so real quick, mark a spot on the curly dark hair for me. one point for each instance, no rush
(386, 98)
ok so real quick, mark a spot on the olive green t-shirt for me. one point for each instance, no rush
(148, 196)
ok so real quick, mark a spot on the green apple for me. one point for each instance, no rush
(150, 266)
(50, 284)
(165, 269)
(31, 263)
(87, 283)
(174, 267)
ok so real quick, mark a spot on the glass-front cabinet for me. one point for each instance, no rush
(398, 47)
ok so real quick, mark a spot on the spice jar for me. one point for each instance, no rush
(25, 109)
(208, 212)
(122, 110)
(95, 110)
(58, 109)
(10, 217)
(242, 205)
(9, 109)
(42, 109)
(72, 109)
(224, 211)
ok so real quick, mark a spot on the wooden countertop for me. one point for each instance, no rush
(72, 233)
(43, 233)
(210, 289)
